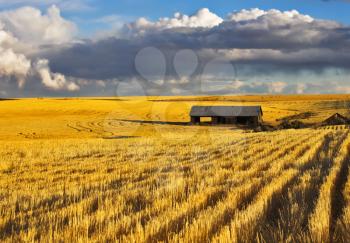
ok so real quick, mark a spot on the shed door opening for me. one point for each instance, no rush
(243, 120)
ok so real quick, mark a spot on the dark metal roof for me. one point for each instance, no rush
(226, 111)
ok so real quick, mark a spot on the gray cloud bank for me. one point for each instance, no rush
(250, 51)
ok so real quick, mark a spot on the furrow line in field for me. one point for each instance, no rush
(338, 199)
(276, 153)
(211, 219)
(259, 166)
(256, 167)
(342, 228)
(252, 155)
(289, 217)
(206, 177)
(250, 151)
(244, 225)
(158, 212)
(321, 219)
(277, 160)
(86, 196)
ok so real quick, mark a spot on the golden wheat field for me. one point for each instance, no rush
(134, 170)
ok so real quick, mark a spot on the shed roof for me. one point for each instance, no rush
(226, 111)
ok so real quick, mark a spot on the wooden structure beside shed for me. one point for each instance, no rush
(336, 119)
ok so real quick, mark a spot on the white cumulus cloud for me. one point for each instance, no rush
(12, 64)
(31, 26)
(202, 18)
(281, 17)
(54, 81)
(22, 32)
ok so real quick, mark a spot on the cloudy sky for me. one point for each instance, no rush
(138, 47)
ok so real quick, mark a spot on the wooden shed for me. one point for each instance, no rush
(245, 115)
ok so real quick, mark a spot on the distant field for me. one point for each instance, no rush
(134, 170)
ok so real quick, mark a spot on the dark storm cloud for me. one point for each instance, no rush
(111, 58)
(286, 40)
(189, 55)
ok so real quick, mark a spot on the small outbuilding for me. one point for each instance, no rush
(336, 119)
(244, 115)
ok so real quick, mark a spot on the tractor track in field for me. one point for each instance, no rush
(275, 195)
(281, 204)
(338, 201)
(273, 217)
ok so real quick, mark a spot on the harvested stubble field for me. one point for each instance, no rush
(133, 170)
